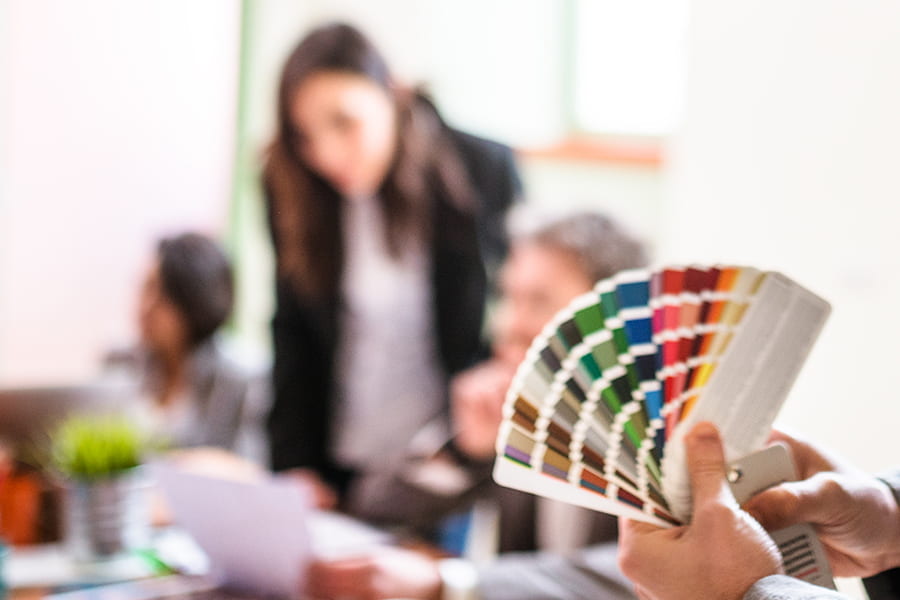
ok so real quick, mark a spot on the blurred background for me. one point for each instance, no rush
(762, 133)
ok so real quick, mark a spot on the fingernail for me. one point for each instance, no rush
(705, 432)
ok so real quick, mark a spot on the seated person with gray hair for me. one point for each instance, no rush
(547, 550)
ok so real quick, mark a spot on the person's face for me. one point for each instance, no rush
(162, 327)
(535, 283)
(346, 129)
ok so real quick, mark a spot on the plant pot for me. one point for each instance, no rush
(107, 517)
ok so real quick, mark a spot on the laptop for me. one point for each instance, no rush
(29, 414)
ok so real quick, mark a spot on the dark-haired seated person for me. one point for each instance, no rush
(196, 394)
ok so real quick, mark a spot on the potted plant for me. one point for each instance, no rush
(99, 458)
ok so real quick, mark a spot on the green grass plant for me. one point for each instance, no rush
(90, 447)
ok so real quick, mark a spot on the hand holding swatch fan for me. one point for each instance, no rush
(596, 412)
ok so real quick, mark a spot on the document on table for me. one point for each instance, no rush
(255, 534)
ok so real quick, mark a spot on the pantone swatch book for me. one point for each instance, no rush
(596, 413)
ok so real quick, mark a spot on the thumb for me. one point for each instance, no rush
(706, 464)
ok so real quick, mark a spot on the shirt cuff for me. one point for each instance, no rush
(784, 587)
(459, 578)
(892, 479)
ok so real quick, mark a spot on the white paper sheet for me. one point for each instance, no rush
(255, 534)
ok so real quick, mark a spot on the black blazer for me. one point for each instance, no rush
(465, 247)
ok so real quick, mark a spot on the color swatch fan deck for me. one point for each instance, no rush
(596, 413)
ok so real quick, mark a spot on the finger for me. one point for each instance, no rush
(642, 546)
(630, 527)
(706, 464)
(790, 503)
(630, 556)
(808, 459)
(783, 435)
(315, 583)
(799, 450)
(318, 579)
(332, 579)
(780, 437)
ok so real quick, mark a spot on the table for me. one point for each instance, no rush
(35, 571)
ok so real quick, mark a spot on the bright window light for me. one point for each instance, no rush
(629, 66)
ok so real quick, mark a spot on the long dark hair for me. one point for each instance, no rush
(196, 276)
(304, 208)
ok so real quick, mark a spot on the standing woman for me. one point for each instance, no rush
(385, 224)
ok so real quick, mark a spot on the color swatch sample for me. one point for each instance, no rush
(596, 412)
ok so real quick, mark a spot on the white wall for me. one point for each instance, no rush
(630, 193)
(117, 123)
(789, 160)
(118, 126)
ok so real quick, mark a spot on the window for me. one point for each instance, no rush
(628, 70)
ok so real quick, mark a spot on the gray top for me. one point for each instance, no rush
(224, 405)
(391, 383)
